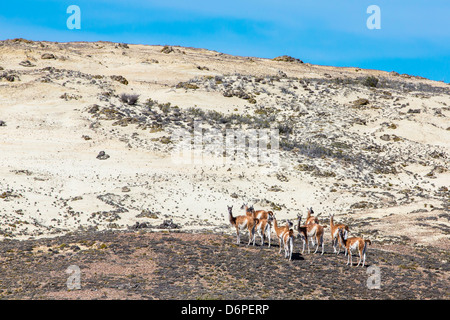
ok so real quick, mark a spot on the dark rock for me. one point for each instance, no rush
(27, 63)
(361, 102)
(286, 58)
(167, 49)
(48, 56)
(168, 224)
(120, 79)
(140, 225)
(102, 155)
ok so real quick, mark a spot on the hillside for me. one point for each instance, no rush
(87, 134)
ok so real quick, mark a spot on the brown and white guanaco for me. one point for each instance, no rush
(353, 243)
(311, 232)
(335, 238)
(263, 228)
(286, 237)
(241, 223)
(309, 217)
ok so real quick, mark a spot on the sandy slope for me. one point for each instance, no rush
(53, 183)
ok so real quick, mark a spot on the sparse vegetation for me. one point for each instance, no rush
(130, 99)
(370, 81)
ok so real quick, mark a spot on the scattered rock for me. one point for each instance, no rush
(168, 224)
(2, 123)
(275, 189)
(167, 49)
(94, 108)
(140, 225)
(286, 58)
(8, 77)
(27, 63)
(67, 96)
(147, 214)
(130, 99)
(186, 85)
(48, 56)
(361, 102)
(123, 46)
(362, 205)
(102, 155)
(120, 79)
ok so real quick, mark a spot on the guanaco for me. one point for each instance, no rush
(314, 232)
(310, 219)
(263, 228)
(335, 239)
(241, 223)
(285, 236)
(258, 214)
(302, 232)
(354, 243)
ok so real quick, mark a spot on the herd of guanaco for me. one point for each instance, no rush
(262, 223)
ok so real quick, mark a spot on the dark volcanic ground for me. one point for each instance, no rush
(176, 265)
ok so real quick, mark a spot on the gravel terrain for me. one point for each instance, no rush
(176, 265)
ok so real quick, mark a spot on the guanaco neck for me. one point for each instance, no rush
(275, 225)
(344, 240)
(299, 224)
(232, 219)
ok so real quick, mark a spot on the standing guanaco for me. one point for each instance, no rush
(263, 228)
(353, 243)
(335, 239)
(241, 223)
(286, 237)
(314, 232)
(310, 219)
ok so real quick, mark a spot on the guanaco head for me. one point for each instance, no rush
(230, 209)
(244, 206)
(343, 234)
(251, 209)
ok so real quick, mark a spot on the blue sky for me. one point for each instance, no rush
(414, 37)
